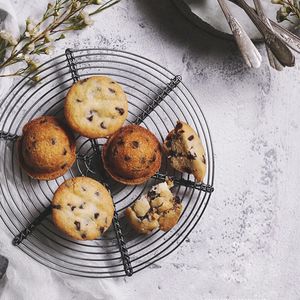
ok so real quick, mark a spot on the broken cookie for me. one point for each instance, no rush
(185, 151)
(158, 209)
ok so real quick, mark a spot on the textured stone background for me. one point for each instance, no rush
(247, 244)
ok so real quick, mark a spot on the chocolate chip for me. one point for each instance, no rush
(106, 220)
(96, 215)
(153, 158)
(58, 206)
(191, 137)
(178, 126)
(77, 224)
(65, 151)
(102, 125)
(90, 118)
(191, 156)
(78, 100)
(83, 235)
(120, 110)
(81, 206)
(172, 153)
(73, 207)
(53, 141)
(203, 159)
(83, 80)
(120, 142)
(113, 82)
(177, 200)
(97, 194)
(83, 188)
(143, 160)
(169, 144)
(180, 131)
(135, 144)
(112, 90)
(64, 165)
(152, 195)
(102, 229)
(43, 121)
(127, 158)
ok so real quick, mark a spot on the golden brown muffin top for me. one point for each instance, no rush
(132, 155)
(46, 146)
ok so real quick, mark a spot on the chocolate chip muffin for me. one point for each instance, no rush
(132, 155)
(185, 151)
(82, 208)
(96, 107)
(46, 148)
(158, 209)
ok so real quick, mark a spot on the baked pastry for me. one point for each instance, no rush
(185, 151)
(158, 209)
(46, 149)
(132, 155)
(82, 208)
(96, 107)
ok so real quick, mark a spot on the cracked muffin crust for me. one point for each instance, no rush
(185, 151)
(96, 107)
(158, 209)
(82, 208)
(46, 148)
(132, 155)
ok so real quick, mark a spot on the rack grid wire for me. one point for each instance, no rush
(157, 99)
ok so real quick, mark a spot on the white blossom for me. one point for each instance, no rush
(49, 50)
(86, 18)
(48, 38)
(30, 47)
(7, 36)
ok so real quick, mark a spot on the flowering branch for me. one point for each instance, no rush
(39, 38)
(288, 9)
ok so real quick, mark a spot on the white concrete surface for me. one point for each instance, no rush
(247, 244)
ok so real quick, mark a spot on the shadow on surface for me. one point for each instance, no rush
(164, 17)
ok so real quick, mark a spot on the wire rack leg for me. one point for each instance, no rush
(116, 223)
(158, 99)
(184, 182)
(117, 227)
(27, 231)
(72, 65)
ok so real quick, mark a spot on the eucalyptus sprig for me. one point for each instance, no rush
(289, 10)
(39, 38)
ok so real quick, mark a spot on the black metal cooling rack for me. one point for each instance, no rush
(157, 99)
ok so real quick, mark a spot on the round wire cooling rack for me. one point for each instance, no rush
(157, 99)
